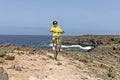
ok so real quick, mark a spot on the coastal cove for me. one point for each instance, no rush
(59, 39)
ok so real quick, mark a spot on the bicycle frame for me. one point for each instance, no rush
(57, 42)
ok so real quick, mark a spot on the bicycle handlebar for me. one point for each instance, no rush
(58, 32)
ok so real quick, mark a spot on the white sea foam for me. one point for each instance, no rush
(75, 46)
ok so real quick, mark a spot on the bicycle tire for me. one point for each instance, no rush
(56, 49)
(55, 54)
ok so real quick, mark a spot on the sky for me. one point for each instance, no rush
(75, 17)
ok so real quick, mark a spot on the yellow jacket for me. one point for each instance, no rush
(56, 31)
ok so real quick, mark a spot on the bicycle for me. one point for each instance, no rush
(57, 45)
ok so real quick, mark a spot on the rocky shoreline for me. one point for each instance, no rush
(101, 63)
(92, 40)
(104, 59)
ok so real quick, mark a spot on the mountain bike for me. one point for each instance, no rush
(57, 45)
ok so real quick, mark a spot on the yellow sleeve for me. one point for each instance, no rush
(51, 28)
(59, 29)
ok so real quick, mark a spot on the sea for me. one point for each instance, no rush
(38, 41)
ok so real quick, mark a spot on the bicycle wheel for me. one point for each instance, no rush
(56, 48)
(55, 54)
(59, 45)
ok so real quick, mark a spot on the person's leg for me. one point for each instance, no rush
(59, 43)
(53, 42)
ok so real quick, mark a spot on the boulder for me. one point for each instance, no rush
(111, 74)
(8, 57)
(6, 45)
(3, 75)
(1, 70)
(18, 68)
(59, 63)
(2, 60)
(2, 53)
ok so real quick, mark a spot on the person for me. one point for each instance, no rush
(56, 30)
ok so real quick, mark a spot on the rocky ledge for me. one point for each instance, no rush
(92, 40)
(103, 61)
(3, 75)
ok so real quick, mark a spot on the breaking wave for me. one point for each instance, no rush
(75, 46)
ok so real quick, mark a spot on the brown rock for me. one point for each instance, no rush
(6, 45)
(8, 57)
(1, 60)
(59, 63)
(3, 76)
(111, 74)
(2, 53)
(18, 68)
(92, 40)
(11, 67)
(1, 70)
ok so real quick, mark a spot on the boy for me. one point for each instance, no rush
(56, 30)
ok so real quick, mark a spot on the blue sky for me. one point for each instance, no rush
(75, 17)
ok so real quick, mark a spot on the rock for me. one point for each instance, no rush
(34, 50)
(114, 48)
(50, 69)
(118, 41)
(83, 60)
(104, 66)
(34, 78)
(8, 57)
(24, 46)
(31, 52)
(6, 45)
(1, 70)
(92, 40)
(84, 78)
(1, 60)
(111, 74)
(2, 53)
(3, 76)
(103, 76)
(11, 67)
(18, 68)
(17, 48)
(59, 63)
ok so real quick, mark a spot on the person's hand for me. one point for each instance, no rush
(62, 32)
(51, 30)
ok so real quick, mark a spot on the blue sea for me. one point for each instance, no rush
(36, 41)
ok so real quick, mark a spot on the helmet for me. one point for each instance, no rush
(55, 22)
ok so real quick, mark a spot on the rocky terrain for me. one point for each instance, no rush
(92, 40)
(26, 63)
(103, 61)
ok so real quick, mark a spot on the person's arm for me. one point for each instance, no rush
(61, 31)
(52, 30)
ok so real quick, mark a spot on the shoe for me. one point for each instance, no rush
(54, 44)
(53, 48)
(60, 50)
